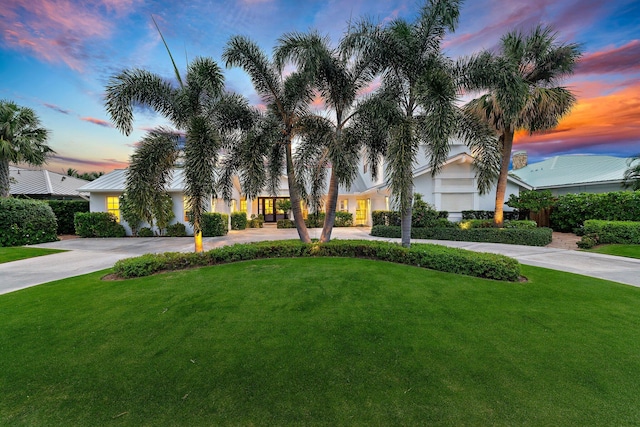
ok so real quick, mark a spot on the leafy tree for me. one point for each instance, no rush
(287, 99)
(524, 94)
(632, 174)
(88, 176)
(421, 85)
(130, 213)
(22, 140)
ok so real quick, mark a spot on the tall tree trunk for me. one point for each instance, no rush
(5, 178)
(294, 195)
(405, 220)
(501, 188)
(330, 208)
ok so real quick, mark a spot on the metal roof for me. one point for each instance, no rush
(560, 171)
(43, 182)
(116, 181)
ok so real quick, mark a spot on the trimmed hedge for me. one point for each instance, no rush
(512, 236)
(513, 215)
(26, 222)
(626, 232)
(571, 210)
(146, 232)
(214, 224)
(176, 230)
(97, 224)
(238, 220)
(65, 211)
(343, 219)
(435, 257)
(394, 218)
(313, 220)
(285, 223)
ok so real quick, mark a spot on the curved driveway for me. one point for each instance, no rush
(89, 255)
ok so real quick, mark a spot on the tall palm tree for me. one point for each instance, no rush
(632, 174)
(423, 86)
(524, 94)
(22, 140)
(186, 105)
(287, 99)
(339, 77)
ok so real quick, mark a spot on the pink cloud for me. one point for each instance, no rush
(98, 122)
(56, 108)
(62, 162)
(622, 59)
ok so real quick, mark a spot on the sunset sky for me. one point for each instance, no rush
(56, 57)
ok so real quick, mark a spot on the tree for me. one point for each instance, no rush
(632, 174)
(422, 86)
(339, 75)
(524, 94)
(187, 106)
(287, 98)
(22, 140)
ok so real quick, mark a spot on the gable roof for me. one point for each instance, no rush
(570, 170)
(44, 182)
(116, 181)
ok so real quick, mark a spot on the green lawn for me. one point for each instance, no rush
(629, 251)
(321, 341)
(19, 252)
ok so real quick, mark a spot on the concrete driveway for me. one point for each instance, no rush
(89, 255)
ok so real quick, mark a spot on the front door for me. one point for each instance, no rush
(267, 206)
(362, 212)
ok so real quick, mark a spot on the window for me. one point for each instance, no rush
(113, 206)
(344, 205)
(243, 205)
(186, 208)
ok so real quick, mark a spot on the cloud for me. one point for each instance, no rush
(56, 108)
(623, 59)
(98, 122)
(85, 165)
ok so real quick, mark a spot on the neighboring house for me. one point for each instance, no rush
(571, 173)
(44, 184)
(454, 189)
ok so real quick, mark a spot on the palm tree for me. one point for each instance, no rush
(632, 174)
(187, 106)
(339, 77)
(287, 99)
(22, 140)
(524, 95)
(422, 85)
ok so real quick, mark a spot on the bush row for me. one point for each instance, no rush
(488, 223)
(214, 224)
(512, 236)
(26, 222)
(513, 215)
(602, 232)
(435, 257)
(97, 224)
(571, 210)
(65, 211)
(393, 217)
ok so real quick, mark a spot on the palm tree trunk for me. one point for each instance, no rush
(5, 178)
(501, 189)
(405, 221)
(294, 195)
(330, 208)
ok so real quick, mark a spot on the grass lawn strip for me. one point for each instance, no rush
(328, 341)
(628, 251)
(20, 252)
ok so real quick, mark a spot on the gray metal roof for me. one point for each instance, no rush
(560, 171)
(43, 182)
(116, 181)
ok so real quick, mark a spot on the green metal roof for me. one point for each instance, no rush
(569, 170)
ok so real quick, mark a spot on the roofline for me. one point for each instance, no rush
(579, 184)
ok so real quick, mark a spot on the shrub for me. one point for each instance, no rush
(26, 222)
(525, 223)
(571, 210)
(314, 220)
(343, 219)
(475, 223)
(285, 223)
(627, 232)
(130, 213)
(588, 241)
(238, 220)
(146, 232)
(514, 236)
(434, 257)
(214, 224)
(65, 210)
(97, 224)
(531, 201)
(385, 218)
(256, 221)
(176, 230)
(488, 215)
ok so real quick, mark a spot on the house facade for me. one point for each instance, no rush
(453, 189)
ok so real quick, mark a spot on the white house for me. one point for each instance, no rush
(453, 189)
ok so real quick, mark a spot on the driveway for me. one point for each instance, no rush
(89, 255)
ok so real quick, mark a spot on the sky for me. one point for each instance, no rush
(56, 57)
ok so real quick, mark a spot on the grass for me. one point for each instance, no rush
(19, 252)
(322, 341)
(629, 251)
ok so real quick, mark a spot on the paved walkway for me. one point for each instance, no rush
(89, 255)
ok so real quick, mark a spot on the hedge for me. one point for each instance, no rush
(214, 224)
(343, 219)
(394, 217)
(238, 220)
(571, 210)
(97, 224)
(626, 232)
(176, 230)
(435, 257)
(65, 211)
(488, 223)
(285, 223)
(26, 222)
(513, 215)
(512, 236)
